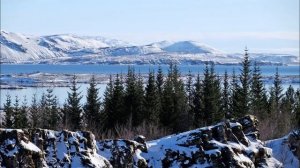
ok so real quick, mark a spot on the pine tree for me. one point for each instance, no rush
(276, 94)
(258, 97)
(174, 114)
(211, 96)
(117, 114)
(151, 103)
(43, 110)
(226, 96)
(197, 103)
(160, 81)
(107, 102)
(245, 78)
(133, 97)
(55, 116)
(139, 102)
(74, 110)
(296, 112)
(235, 110)
(16, 113)
(288, 105)
(35, 113)
(92, 105)
(8, 110)
(189, 96)
(23, 122)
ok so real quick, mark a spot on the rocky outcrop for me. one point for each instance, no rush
(231, 143)
(47, 148)
(228, 144)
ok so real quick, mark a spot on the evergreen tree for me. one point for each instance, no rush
(43, 109)
(235, 110)
(117, 114)
(133, 97)
(276, 94)
(8, 110)
(34, 112)
(107, 102)
(139, 102)
(16, 114)
(189, 96)
(211, 96)
(174, 114)
(151, 103)
(297, 109)
(160, 81)
(92, 105)
(288, 104)
(23, 122)
(258, 97)
(226, 96)
(55, 116)
(74, 110)
(245, 78)
(197, 103)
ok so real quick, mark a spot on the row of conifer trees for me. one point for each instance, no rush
(163, 100)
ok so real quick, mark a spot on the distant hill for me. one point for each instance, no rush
(68, 48)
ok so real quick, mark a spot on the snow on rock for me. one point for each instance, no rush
(287, 149)
(228, 144)
(47, 148)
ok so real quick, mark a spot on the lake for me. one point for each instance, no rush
(113, 69)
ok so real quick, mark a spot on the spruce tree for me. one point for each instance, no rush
(8, 110)
(160, 81)
(107, 103)
(211, 96)
(139, 102)
(117, 115)
(43, 109)
(258, 97)
(296, 112)
(189, 96)
(16, 114)
(276, 93)
(55, 116)
(235, 108)
(35, 113)
(92, 105)
(226, 96)
(245, 78)
(133, 97)
(151, 104)
(74, 108)
(23, 121)
(197, 103)
(174, 114)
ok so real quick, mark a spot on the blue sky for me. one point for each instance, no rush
(229, 25)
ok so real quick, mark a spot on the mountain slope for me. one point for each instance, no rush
(67, 48)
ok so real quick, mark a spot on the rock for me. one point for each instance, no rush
(47, 148)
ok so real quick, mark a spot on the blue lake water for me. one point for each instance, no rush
(113, 69)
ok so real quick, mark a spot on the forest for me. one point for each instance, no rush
(163, 104)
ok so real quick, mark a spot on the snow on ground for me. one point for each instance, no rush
(281, 151)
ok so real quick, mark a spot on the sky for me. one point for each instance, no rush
(228, 25)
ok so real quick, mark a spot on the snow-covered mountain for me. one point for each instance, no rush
(67, 48)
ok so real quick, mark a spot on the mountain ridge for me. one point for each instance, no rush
(69, 48)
